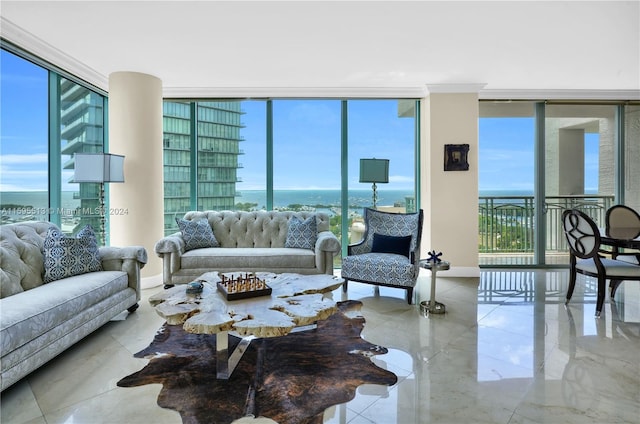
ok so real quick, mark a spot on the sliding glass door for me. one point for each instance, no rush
(538, 159)
(579, 149)
(506, 183)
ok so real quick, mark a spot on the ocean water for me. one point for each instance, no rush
(28, 205)
(35, 203)
(325, 198)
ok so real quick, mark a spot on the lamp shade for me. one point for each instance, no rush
(98, 168)
(374, 170)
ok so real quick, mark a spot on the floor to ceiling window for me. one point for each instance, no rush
(307, 157)
(287, 155)
(631, 174)
(24, 136)
(381, 129)
(579, 168)
(226, 142)
(177, 149)
(251, 188)
(218, 134)
(47, 118)
(81, 122)
(506, 182)
(306, 153)
(577, 146)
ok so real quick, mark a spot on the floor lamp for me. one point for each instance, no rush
(374, 171)
(99, 168)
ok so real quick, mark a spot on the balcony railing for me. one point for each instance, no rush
(507, 223)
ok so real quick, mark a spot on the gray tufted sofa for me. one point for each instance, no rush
(249, 241)
(38, 321)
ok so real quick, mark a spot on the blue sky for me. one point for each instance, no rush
(307, 131)
(23, 125)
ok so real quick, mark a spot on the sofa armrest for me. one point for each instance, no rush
(327, 246)
(130, 259)
(328, 242)
(170, 248)
(173, 243)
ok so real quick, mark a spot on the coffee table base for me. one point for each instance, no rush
(226, 363)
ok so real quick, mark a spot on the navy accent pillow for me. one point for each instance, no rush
(391, 244)
(197, 234)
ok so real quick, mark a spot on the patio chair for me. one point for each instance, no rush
(583, 238)
(389, 252)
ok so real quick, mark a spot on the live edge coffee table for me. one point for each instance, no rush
(296, 303)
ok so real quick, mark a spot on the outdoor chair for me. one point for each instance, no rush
(621, 217)
(583, 238)
(389, 252)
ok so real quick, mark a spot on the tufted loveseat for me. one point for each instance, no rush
(40, 320)
(248, 241)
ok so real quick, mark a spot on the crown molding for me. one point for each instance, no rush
(559, 94)
(293, 92)
(45, 51)
(455, 88)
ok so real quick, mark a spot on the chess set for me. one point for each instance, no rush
(243, 286)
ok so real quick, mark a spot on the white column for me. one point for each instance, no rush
(135, 131)
(450, 198)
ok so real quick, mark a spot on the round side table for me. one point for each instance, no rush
(433, 307)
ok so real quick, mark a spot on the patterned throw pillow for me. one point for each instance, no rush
(197, 234)
(302, 234)
(68, 256)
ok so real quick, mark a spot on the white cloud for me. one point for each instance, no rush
(12, 159)
(24, 172)
(400, 179)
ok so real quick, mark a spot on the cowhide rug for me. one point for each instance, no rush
(290, 379)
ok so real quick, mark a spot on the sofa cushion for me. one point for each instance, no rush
(27, 315)
(302, 234)
(67, 256)
(197, 234)
(271, 258)
(379, 268)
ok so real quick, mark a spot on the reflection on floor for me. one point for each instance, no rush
(506, 351)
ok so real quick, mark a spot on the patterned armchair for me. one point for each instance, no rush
(389, 253)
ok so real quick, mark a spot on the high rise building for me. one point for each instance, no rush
(81, 131)
(206, 134)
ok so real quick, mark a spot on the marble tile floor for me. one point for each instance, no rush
(506, 351)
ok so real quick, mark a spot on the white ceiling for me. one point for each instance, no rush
(328, 48)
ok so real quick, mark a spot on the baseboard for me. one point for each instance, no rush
(460, 271)
(150, 282)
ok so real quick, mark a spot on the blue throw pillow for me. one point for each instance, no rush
(68, 256)
(197, 234)
(400, 245)
(302, 234)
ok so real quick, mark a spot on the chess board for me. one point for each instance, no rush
(243, 286)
